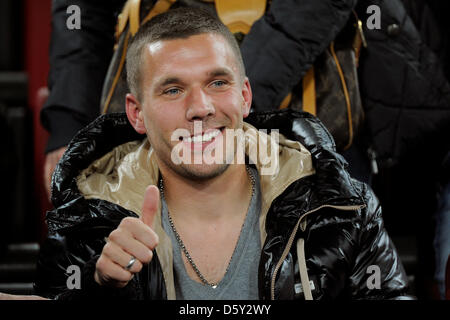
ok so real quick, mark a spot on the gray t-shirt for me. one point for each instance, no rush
(241, 279)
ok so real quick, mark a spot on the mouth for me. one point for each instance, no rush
(205, 137)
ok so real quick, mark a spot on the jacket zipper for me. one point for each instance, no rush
(291, 240)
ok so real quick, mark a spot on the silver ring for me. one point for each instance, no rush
(130, 263)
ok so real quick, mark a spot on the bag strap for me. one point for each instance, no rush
(239, 15)
(359, 40)
(122, 20)
(159, 7)
(134, 15)
(131, 13)
(285, 103)
(309, 92)
(117, 74)
(346, 95)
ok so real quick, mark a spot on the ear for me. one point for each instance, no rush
(247, 97)
(134, 113)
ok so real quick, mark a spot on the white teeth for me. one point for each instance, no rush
(203, 138)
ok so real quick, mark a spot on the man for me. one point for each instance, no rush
(144, 221)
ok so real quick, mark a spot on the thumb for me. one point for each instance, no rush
(150, 205)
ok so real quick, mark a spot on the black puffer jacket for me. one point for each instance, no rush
(338, 218)
(405, 92)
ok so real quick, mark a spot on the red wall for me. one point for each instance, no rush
(37, 37)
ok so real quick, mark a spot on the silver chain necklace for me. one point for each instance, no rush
(183, 247)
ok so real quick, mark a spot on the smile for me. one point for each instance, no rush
(207, 136)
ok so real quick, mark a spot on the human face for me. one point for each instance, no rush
(187, 83)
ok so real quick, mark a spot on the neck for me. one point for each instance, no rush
(223, 196)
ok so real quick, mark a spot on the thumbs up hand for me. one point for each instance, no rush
(133, 240)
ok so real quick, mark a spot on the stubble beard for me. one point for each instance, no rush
(203, 171)
(200, 172)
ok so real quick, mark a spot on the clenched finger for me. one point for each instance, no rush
(130, 245)
(120, 257)
(140, 231)
(108, 271)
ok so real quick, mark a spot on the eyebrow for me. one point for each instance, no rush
(219, 72)
(167, 81)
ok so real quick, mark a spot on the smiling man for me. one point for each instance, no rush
(142, 225)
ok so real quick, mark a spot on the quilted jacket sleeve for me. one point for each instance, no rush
(378, 272)
(66, 263)
(79, 59)
(283, 45)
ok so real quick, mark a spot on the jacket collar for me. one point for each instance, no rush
(98, 145)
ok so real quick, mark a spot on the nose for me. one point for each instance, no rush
(199, 105)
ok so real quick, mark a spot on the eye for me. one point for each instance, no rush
(172, 91)
(219, 83)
